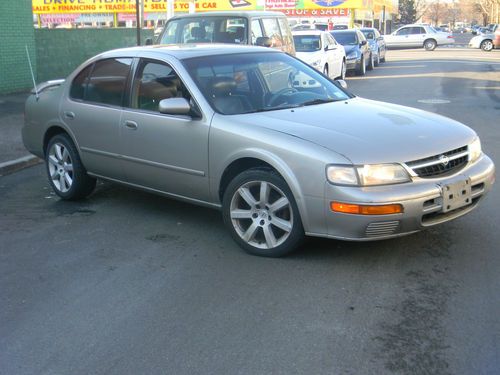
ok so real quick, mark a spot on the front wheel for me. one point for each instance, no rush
(371, 62)
(343, 70)
(430, 45)
(261, 214)
(377, 59)
(486, 45)
(361, 71)
(67, 175)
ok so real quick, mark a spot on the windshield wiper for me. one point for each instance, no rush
(318, 101)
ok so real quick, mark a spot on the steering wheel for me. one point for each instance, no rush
(278, 95)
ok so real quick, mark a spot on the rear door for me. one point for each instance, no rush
(92, 111)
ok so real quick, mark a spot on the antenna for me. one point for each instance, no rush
(32, 74)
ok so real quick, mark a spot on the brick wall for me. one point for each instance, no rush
(60, 51)
(16, 31)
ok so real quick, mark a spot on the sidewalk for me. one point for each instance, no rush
(13, 155)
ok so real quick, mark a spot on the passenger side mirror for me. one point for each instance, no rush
(363, 42)
(149, 41)
(264, 41)
(342, 83)
(174, 106)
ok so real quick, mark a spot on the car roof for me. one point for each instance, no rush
(251, 13)
(308, 32)
(187, 51)
(344, 31)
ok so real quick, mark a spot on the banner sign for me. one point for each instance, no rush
(152, 6)
(330, 13)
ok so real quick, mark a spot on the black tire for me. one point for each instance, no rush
(486, 45)
(430, 45)
(63, 165)
(371, 62)
(245, 216)
(361, 70)
(377, 60)
(382, 59)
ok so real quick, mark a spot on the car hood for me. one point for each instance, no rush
(366, 131)
(348, 49)
(309, 57)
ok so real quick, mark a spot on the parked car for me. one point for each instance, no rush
(496, 42)
(320, 50)
(229, 127)
(323, 26)
(483, 41)
(418, 36)
(377, 44)
(268, 29)
(359, 56)
(340, 27)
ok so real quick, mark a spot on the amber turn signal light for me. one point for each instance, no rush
(348, 208)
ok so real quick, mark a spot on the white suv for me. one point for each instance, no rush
(418, 36)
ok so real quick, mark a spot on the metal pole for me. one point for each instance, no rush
(138, 22)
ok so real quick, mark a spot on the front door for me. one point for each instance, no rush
(168, 153)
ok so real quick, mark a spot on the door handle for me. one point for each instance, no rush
(131, 125)
(70, 115)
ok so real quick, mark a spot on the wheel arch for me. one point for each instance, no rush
(265, 160)
(51, 132)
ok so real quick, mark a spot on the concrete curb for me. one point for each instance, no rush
(12, 166)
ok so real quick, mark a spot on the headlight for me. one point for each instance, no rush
(367, 175)
(382, 174)
(475, 149)
(352, 55)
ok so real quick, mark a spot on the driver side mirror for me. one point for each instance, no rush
(363, 42)
(174, 106)
(342, 83)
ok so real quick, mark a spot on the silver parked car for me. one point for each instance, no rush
(281, 149)
(418, 35)
(483, 41)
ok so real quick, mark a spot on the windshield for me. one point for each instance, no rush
(345, 38)
(307, 43)
(206, 30)
(370, 35)
(257, 82)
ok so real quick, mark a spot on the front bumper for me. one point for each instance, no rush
(422, 201)
(353, 64)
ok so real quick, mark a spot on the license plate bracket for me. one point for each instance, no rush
(456, 195)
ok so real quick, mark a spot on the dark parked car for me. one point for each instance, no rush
(357, 50)
(376, 42)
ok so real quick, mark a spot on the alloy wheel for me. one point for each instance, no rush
(60, 167)
(261, 214)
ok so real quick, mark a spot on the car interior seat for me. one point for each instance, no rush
(225, 100)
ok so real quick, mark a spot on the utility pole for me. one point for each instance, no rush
(138, 22)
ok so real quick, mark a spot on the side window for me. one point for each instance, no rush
(330, 39)
(79, 84)
(155, 81)
(256, 31)
(107, 81)
(404, 31)
(272, 31)
(417, 30)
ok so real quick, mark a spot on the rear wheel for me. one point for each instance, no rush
(67, 176)
(486, 45)
(430, 45)
(261, 213)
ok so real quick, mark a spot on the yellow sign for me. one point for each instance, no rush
(159, 6)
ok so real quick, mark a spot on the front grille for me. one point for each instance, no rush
(381, 228)
(442, 164)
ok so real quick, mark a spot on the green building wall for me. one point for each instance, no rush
(60, 51)
(16, 32)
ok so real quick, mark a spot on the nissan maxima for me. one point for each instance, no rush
(280, 149)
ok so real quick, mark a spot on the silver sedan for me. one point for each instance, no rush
(280, 149)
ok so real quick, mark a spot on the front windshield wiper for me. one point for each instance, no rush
(275, 108)
(319, 101)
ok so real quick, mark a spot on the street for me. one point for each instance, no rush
(127, 282)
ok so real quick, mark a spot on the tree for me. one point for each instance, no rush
(411, 10)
